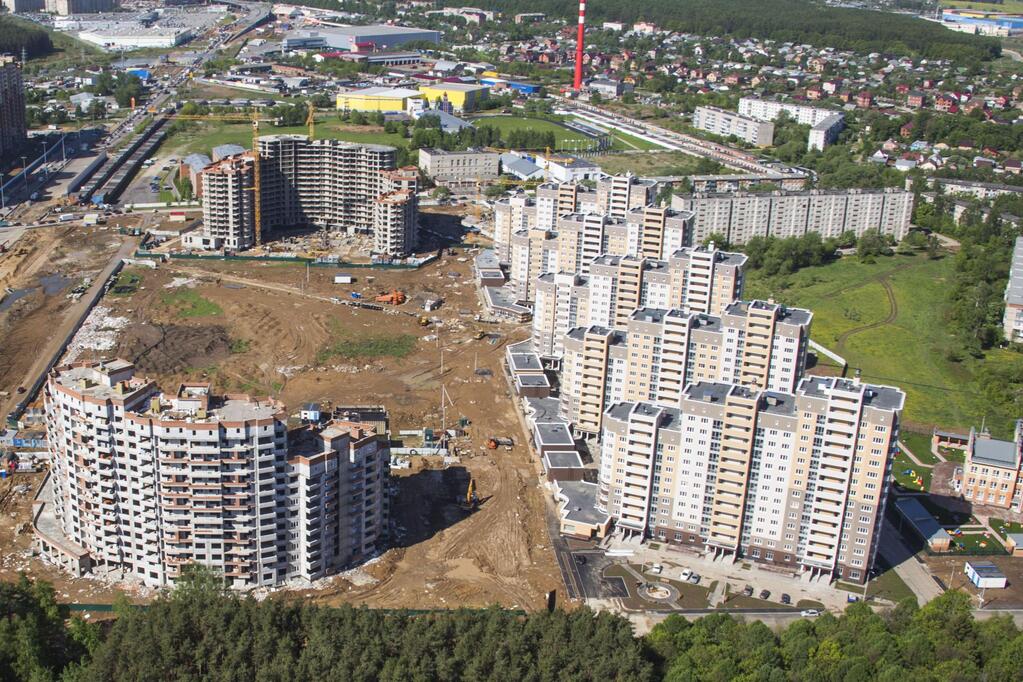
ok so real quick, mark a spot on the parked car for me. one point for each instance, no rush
(852, 598)
(765, 594)
(810, 613)
(686, 574)
(579, 559)
(694, 579)
(786, 599)
(748, 591)
(656, 569)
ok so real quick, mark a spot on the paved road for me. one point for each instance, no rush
(912, 572)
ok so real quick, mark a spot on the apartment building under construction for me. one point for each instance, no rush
(326, 183)
(145, 483)
(797, 480)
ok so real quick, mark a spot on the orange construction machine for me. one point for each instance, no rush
(394, 298)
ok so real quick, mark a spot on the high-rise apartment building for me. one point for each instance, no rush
(741, 216)
(145, 483)
(68, 7)
(511, 215)
(12, 107)
(797, 480)
(701, 279)
(756, 344)
(328, 183)
(1012, 318)
(22, 6)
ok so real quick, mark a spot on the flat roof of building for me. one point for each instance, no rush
(553, 433)
(562, 459)
(881, 397)
(455, 87)
(525, 362)
(985, 569)
(532, 381)
(579, 498)
(382, 93)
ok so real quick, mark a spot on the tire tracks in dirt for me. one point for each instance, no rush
(893, 314)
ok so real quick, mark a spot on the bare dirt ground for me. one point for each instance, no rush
(268, 329)
(35, 278)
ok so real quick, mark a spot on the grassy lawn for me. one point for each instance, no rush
(953, 454)
(920, 444)
(656, 163)
(975, 542)
(741, 601)
(904, 464)
(888, 586)
(1004, 6)
(908, 347)
(190, 304)
(383, 346)
(201, 136)
(127, 283)
(565, 139)
(1003, 528)
(626, 141)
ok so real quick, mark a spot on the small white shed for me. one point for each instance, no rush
(985, 574)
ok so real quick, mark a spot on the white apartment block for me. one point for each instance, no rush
(700, 279)
(743, 215)
(146, 483)
(797, 480)
(727, 123)
(510, 216)
(658, 352)
(768, 110)
(826, 132)
(1012, 321)
(326, 183)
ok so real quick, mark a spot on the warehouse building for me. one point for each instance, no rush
(377, 99)
(461, 96)
(375, 38)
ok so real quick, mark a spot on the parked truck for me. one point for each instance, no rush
(93, 219)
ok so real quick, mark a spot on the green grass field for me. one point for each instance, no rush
(201, 136)
(920, 445)
(655, 163)
(888, 320)
(1003, 528)
(1011, 6)
(565, 139)
(188, 303)
(369, 348)
(903, 464)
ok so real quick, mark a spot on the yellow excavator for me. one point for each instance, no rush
(472, 498)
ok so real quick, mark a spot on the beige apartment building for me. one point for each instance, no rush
(327, 183)
(991, 472)
(658, 352)
(511, 215)
(701, 279)
(13, 129)
(798, 480)
(741, 216)
(145, 483)
(727, 123)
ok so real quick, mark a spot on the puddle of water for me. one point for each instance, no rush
(14, 295)
(54, 284)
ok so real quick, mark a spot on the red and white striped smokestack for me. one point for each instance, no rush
(578, 83)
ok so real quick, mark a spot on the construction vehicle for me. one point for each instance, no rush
(396, 297)
(424, 321)
(479, 335)
(472, 498)
(495, 441)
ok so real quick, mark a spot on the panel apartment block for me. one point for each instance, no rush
(460, 167)
(146, 483)
(727, 123)
(757, 344)
(700, 279)
(797, 480)
(1012, 320)
(511, 215)
(741, 216)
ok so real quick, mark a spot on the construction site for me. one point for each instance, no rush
(416, 344)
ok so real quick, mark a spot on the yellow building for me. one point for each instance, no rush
(376, 99)
(463, 96)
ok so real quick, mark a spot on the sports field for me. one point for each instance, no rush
(888, 320)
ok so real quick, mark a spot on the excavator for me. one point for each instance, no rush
(472, 498)
(396, 297)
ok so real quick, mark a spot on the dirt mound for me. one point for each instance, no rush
(171, 348)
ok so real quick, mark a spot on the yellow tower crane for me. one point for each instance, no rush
(311, 119)
(255, 189)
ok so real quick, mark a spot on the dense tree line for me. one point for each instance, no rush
(200, 632)
(783, 256)
(797, 21)
(15, 35)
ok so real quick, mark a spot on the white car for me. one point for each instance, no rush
(810, 613)
(686, 575)
(656, 569)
